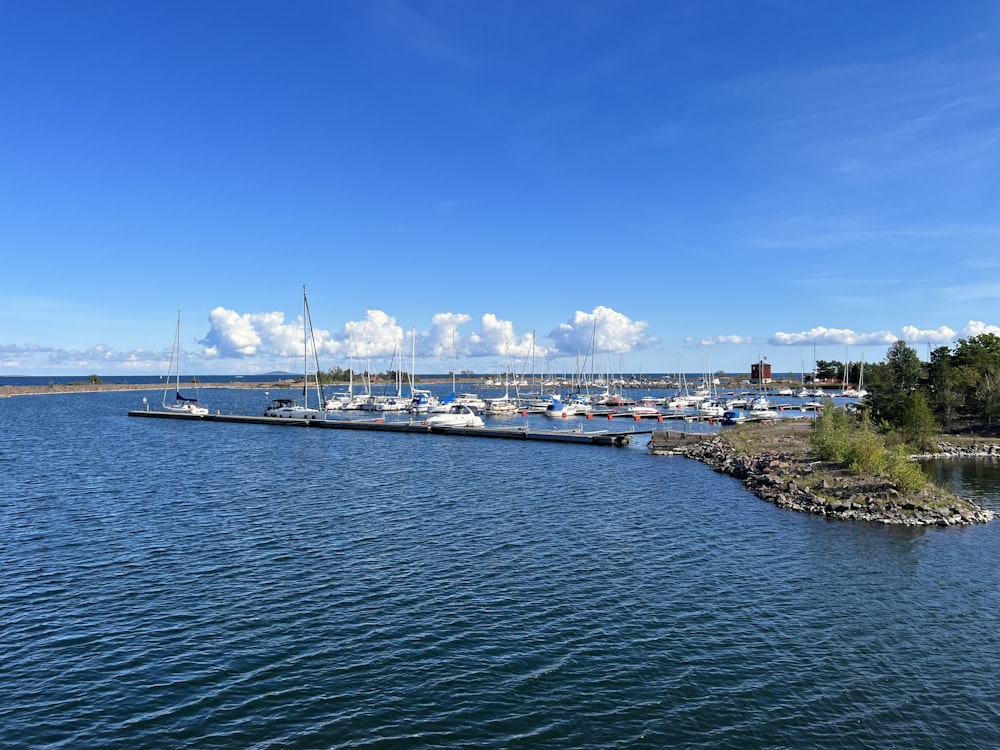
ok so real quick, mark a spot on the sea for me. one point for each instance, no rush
(178, 584)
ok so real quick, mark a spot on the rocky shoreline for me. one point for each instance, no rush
(58, 388)
(790, 478)
(82, 387)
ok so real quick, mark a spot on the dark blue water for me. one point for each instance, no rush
(197, 585)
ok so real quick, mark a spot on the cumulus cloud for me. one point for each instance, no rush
(231, 334)
(437, 342)
(976, 327)
(496, 338)
(261, 335)
(376, 335)
(826, 336)
(940, 335)
(603, 330)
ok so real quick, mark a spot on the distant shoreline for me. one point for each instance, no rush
(62, 388)
(41, 390)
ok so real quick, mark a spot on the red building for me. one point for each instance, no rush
(760, 372)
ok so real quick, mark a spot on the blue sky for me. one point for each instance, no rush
(666, 184)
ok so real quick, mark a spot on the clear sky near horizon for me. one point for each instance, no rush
(658, 185)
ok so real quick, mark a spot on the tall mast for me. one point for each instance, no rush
(305, 350)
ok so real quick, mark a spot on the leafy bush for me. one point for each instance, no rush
(832, 433)
(903, 472)
(866, 453)
(837, 436)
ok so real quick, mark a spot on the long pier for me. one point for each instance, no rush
(573, 435)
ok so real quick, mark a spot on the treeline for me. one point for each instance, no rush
(957, 390)
(341, 375)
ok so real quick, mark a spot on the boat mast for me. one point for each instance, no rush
(174, 352)
(308, 327)
(413, 359)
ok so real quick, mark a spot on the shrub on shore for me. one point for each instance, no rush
(843, 438)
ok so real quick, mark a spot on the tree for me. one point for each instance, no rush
(829, 369)
(898, 377)
(946, 394)
(905, 368)
(987, 396)
(979, 352)
(915, 420)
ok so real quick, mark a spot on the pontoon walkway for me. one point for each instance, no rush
(575, 435)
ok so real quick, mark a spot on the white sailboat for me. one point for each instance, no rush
(288, 408)
(179, 404)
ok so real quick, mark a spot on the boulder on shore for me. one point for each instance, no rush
(791, 479)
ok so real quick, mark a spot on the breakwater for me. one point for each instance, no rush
(792, 479)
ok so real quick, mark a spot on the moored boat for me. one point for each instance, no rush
(458, 415)
(180, 404)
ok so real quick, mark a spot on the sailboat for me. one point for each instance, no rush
(180, 404)
(502, 405)
(287, 408)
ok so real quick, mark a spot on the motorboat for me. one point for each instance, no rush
(470, 399)
(500, 406)
(733, 416)
(458, 415)
(288, 408)
(561, 409)
(422, 401)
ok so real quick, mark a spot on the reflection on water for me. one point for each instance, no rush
(977, 479)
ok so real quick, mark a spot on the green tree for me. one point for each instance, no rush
(946, 393)
(899, 376)
(915, 421)
(977, 366)
(904, 366)
(979, 352)
(986, 396)
(829, 369)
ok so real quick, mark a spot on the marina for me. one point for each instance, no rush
(573, 435)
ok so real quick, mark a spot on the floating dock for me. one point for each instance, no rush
(573, 435)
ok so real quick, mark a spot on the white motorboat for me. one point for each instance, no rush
(500, 406)
(422, 401)
(458, 415)
(559, 410)
(287, 408)
(470, 399)
(711, 408)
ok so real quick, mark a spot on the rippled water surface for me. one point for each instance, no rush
(171, 584)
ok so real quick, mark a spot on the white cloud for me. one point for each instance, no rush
(231, 334)
(713, 340)
(976, 327)
(603, 330)
(940, 335)
(377, 335)
(826, 336)
(444, 330)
